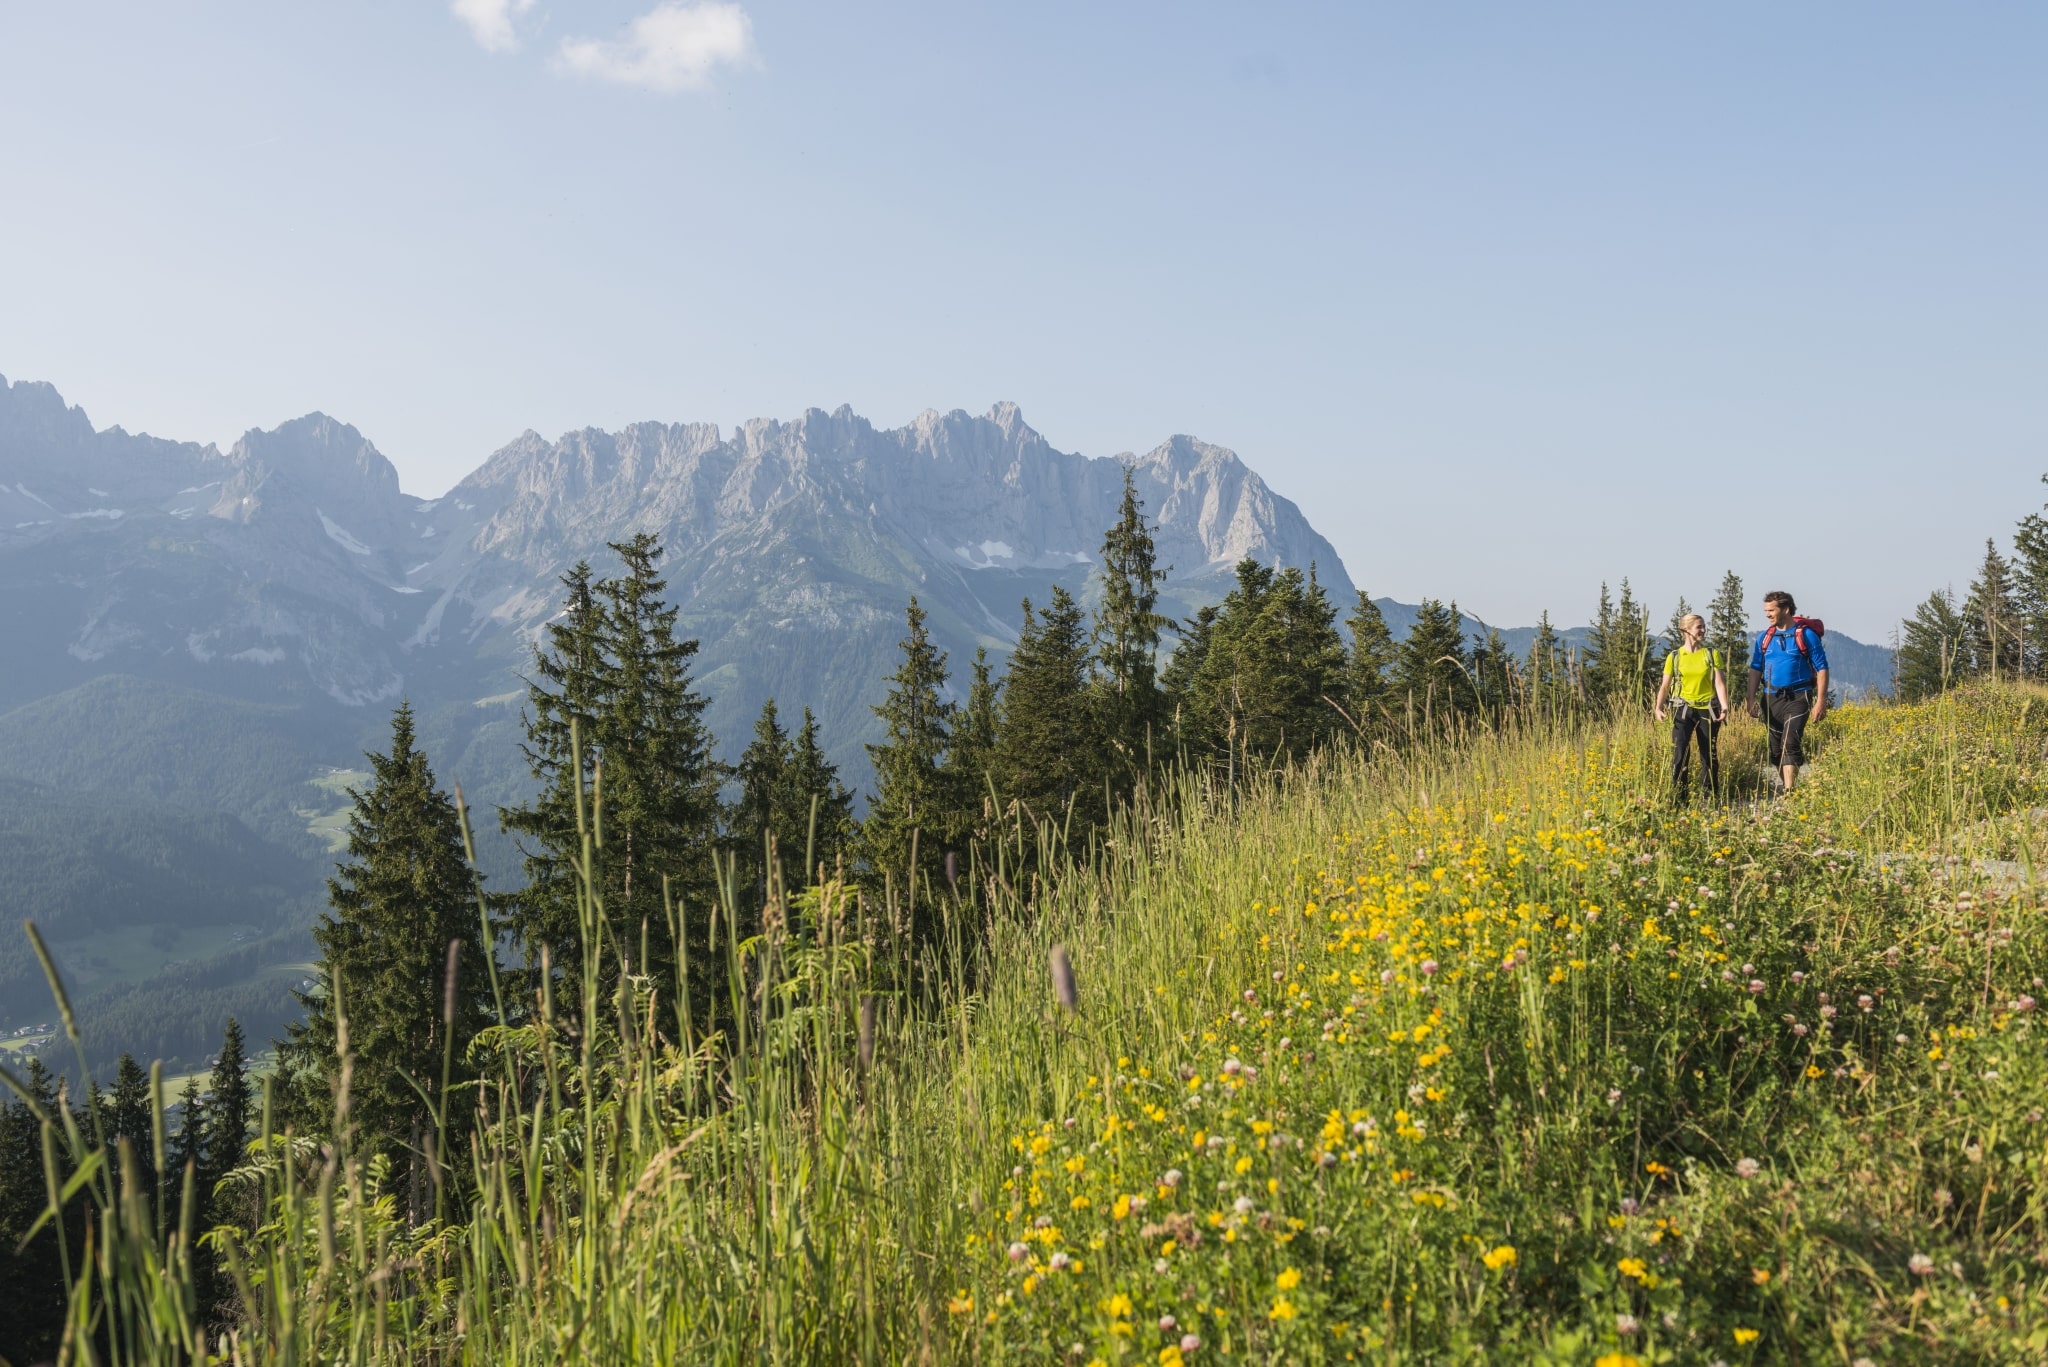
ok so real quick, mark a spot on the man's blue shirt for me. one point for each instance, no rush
(1782, 665)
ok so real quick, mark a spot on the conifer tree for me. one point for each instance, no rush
(227, 1106)
(1048, 748)
(403, 893)
(1263, 674)
(779, 775)
(1728, 626)
(761, 814)
(1674, 630)
(1132, 708)
(1494, 672)
(1373, 652)
(615, 666)
(812, 776)
(1432, 675)
(128, 1112)
(32, 1289)
(913, 803)
(1934, 653)
(1997, 632)
(1618, 651)
(971, 749)
(1547, 668)
(2030, 588)
(187, 1144)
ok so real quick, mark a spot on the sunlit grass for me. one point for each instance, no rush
(1475, 1053)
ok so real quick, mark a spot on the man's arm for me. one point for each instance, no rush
(1820, 695)
(1754, 685)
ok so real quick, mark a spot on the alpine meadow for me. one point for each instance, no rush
(1305, 995)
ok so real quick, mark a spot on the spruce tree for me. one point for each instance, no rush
(186, 1145)
(1373, 652)
(615, 666)
(2030, 586)
(128, 1110)
(1600, 638)
(1494, 673)
(1934, 653)
(1048, 749)
(1432, 675)
(1997, 629)
(914, 804)
(1674, 630)
(971, 749)
(227, 1107)
(1132, 707)
(760, 815)
(402, 894)
(809, 775)
(1547, 668)
(32, 1288)
(1264, 673)
(1728, 626)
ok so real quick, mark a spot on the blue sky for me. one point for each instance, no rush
(1510, 299)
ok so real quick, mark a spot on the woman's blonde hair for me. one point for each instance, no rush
(1692, 617)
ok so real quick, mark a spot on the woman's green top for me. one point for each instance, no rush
(1694, 671)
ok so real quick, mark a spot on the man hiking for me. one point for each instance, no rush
(1788, 669)
(1699, 679)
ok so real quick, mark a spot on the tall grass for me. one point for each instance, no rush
(1475, 1050)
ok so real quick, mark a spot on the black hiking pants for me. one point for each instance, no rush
(1689, 726)
(1785, 713)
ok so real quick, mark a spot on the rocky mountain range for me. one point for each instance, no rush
(193, 633)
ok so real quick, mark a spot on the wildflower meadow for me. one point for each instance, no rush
(1484, 1051)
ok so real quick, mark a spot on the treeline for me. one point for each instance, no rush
(653, 872)
(1997, 630)
(180, 1167)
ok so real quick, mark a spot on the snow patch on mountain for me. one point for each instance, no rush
(338, 534)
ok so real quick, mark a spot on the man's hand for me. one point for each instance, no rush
(1750, 706)
(1820, 709)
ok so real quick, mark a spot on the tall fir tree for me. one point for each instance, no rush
(2030, 586)
(814, 780)
(1546, 669)
(1132, 708)
(1997, 627)
(779, 776)
(1674, 630)
(228, 1102)
(1432, 675)
(1366, 667)
(615, 666)
(1934, 652)
(1494, 673)
(1048, 754)
(32, 1287)
(971, 749)
(914, 804)
(1619, 652)
(1262, 676)
(760, 815)
(403, 893)
(1728, 626)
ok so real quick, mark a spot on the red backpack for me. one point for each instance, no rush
(1800, 626)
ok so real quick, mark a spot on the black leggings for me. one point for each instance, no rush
(1694, 723)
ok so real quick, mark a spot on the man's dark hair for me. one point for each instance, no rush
(1780, 596)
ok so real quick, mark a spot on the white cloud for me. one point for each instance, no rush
(490, 21)
(674, 46)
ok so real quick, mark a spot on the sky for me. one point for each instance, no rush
(1511, 299)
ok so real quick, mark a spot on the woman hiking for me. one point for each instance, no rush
(1699, 678)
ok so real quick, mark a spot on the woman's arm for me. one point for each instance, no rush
(1721, 689)
(1663, 690)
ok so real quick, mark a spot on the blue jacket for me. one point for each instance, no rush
(1783, 666)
